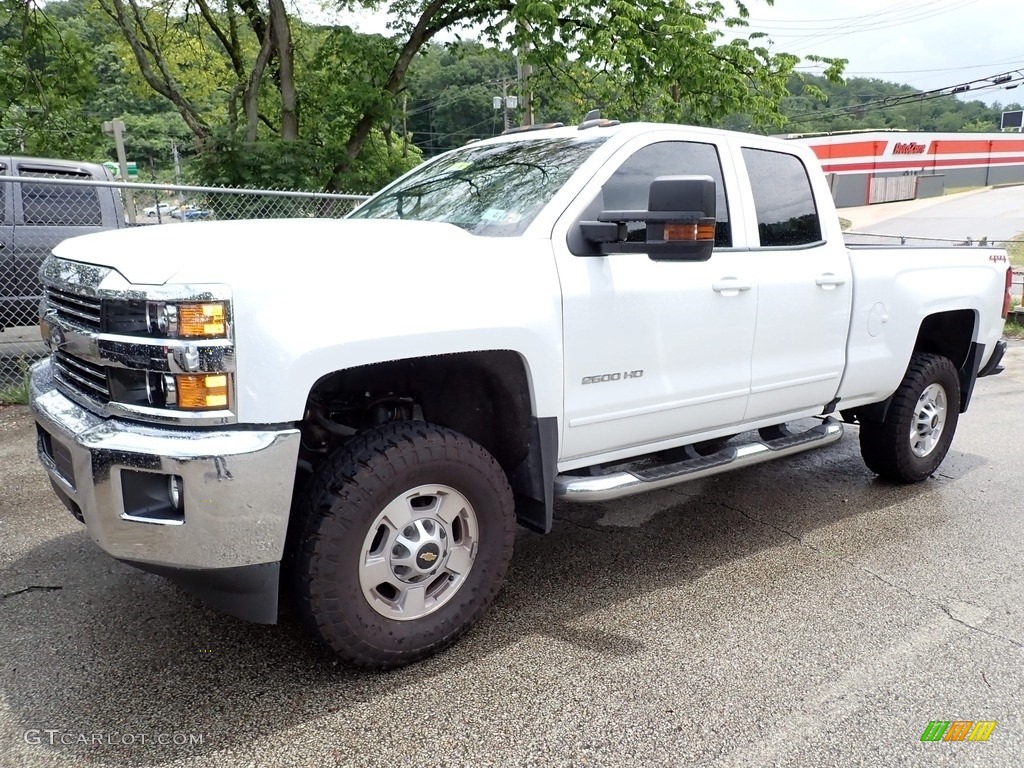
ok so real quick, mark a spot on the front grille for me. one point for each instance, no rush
(110, 353)
(76, 309)
(82, 376)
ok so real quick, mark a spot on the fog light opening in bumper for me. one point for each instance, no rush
(152, 497)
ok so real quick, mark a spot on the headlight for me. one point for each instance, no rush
(207, 320)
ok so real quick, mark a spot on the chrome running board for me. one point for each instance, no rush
(629, 482)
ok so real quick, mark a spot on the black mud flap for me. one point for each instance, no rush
(533, 481)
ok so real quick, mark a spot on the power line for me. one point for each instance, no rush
(879, 104)
(1009, 79)
(895, 8)
(861, 72)
(443, 101)
(872, 25)
(899, 17)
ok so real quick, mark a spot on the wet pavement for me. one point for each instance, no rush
(798, 613)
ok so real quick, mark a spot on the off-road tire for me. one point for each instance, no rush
(886, 445)
(343, 500)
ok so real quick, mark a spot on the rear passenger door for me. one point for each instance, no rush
(805, 289)
(44, 215)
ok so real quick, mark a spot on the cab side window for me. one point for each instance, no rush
(628, 187)
(58, 205)
(783, 199)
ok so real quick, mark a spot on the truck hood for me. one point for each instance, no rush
(311, 297)
(245, 253)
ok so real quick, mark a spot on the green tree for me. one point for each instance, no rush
(449, 94)
(673, 59)
(659, 58)
(46, 78)
(261, 95)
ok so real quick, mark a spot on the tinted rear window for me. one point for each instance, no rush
(59, 205)
(786, 213)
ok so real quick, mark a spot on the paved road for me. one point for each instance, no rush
(997, 214)
(799, 613)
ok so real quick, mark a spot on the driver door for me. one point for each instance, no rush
(655, 351)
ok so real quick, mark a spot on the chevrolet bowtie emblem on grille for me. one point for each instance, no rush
(428, 556)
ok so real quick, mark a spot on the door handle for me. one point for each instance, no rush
(829, 281)
(730, 286)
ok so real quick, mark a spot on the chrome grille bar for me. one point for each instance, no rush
(90, 378)
(80, 310)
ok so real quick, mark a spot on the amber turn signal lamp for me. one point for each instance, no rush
(201, 320)
(208, 390)
(701, 230)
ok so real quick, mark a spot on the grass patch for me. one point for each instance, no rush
(957, 190)
(1013, 330)
(845, 223)
(16, 392)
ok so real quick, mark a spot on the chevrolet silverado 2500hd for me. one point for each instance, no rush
(358, 412)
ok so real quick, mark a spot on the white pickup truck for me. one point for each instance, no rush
(358, 412)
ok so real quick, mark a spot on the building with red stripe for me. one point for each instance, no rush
(881, 166)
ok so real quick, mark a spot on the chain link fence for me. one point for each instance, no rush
(39, 210)
(853, 237)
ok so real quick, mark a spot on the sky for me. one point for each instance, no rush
(928, 44)
(925, 43)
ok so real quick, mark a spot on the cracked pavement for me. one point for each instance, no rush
(797, 613)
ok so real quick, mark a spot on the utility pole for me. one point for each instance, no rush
(115, 128)
(177, 162)
(156, 195)
(525, 71)
(505, 103)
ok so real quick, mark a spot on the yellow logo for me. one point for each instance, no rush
(428, 556)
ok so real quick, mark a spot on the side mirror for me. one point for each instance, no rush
(680, 219)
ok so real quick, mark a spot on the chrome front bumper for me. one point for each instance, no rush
(236, 484)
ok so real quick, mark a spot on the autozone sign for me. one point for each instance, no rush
(881, 151)
(909, 148)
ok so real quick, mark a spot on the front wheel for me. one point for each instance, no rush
(407, 533)
(910, 444)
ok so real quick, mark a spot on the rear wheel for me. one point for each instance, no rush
(910, 444)
(407, 533)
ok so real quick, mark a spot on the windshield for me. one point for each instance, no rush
(493, 190)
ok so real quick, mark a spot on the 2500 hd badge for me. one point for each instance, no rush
(605, 377)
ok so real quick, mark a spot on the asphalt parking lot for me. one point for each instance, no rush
(799, 613)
